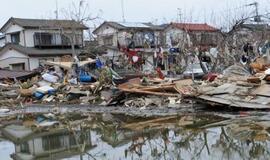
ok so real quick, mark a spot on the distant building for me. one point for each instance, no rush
(28, 42)
(185, 35)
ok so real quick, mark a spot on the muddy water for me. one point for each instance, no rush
(239, 135)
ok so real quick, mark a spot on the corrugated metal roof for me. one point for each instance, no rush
(131, 25)
(194, 27)
(134, 25)
(10, 74)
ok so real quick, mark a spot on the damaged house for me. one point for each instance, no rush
(123, 38)
(183, 38)
(186, 35)
(255, 34)
(29, 42)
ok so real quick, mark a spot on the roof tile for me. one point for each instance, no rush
(194, 27)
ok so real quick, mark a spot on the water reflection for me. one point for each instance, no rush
(184, 137)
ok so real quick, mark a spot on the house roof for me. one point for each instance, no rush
(35, 52)
(191, 27)
(44, 23)
(130, 25)
(19, 75)
(255, 26)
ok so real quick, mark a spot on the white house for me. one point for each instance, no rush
(28, 42)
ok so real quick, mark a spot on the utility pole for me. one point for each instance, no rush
(123, 11)
(179, 15)
(257, 16)
(56, 11)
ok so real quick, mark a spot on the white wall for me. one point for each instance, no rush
(12, 53)
(34, 63)
(107, 31)
(29, 37)
(13, 28)
(12, 57)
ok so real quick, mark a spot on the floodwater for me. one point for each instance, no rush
(211, 136)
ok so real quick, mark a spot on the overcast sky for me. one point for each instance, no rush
(160, 11)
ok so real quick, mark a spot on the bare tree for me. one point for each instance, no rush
(80, 14)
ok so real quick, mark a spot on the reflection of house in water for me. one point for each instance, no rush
(56, 144)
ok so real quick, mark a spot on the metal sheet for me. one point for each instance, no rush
(263, 90)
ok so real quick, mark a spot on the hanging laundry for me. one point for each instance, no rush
(135, 59)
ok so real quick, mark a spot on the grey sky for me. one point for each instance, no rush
(135, 10)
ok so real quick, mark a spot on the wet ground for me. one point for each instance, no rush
(202, 135)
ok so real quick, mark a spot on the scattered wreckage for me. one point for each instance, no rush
(100, 85)
(237, 88)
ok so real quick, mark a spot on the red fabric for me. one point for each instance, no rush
(132, 53)
(160, 74)
(210, 77)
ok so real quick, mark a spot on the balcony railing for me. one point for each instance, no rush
(55, 40)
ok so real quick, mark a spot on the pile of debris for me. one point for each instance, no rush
(89, 82)
(237, 87)
(56, 83)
